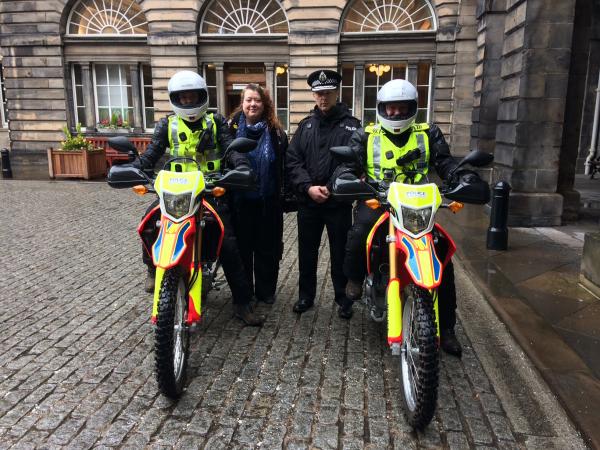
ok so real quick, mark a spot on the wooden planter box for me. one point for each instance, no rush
(77, 164)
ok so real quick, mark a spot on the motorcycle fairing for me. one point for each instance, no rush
(377, 224)
(451, 245)
(219, 221)
(172, 242)
(422, 262)
(142, 226)
(180, 183)
(394, 312)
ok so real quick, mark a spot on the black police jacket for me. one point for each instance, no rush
(309, 161)
(160, 141)
(440, 156)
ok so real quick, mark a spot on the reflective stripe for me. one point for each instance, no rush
(422, 163)
(175, 137)
(377, 156)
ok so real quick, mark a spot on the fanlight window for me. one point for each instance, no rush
(389, 16)
(107, 17)
(244, 17)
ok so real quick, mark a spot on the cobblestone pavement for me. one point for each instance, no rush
(76, 361)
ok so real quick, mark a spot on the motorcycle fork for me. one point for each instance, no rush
(394, 301)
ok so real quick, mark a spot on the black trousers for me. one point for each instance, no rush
(230, 257)
(355, 262)
(311, 221)
(258, 225)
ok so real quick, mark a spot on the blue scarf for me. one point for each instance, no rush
(261, 158)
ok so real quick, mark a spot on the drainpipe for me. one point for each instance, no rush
(592, 154)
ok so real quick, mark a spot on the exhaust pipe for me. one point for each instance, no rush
(592, 154)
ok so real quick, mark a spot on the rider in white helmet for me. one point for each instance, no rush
(193, 133)
(188, 95)
(398, 149)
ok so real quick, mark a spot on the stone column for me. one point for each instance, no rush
(221, 100)
(534, 71)
(88, 97)
(359, 85)
(490, 16)
(270, 82)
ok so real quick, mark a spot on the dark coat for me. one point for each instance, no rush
(280, 144)
(309, 161)
(440, 156)
(160, 141)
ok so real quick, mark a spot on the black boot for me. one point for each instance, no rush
(303, 305)
(449, 342)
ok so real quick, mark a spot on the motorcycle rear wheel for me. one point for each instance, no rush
(172, 338)
(419, 357)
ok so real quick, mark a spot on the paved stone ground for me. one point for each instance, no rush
(76, 361)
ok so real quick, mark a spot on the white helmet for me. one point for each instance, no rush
(397, 91)
(186, 80)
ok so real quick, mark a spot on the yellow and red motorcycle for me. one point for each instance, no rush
(405, 267)
(186, 251)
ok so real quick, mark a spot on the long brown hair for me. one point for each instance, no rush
(268, 114)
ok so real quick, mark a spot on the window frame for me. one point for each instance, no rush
(106, 35)
(95, 90)
(145, 126)
(3, 103)
(287, 89)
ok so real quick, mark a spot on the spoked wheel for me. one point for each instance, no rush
(172, 335)
(419, 360)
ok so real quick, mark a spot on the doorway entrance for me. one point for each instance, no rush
(237, 76)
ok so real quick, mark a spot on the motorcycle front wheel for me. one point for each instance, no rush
(419, 357)
(171, 343)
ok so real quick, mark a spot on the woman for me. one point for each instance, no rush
(258, 215)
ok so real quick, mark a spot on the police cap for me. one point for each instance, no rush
(322, 80)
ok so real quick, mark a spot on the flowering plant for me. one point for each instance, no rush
(115, 121)
(76, 141)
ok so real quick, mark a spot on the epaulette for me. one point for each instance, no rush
(420, 126)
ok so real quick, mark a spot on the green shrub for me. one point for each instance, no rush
(76, 141)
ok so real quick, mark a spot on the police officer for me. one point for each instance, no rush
(310, 166)
(193, 133)
(380, 149)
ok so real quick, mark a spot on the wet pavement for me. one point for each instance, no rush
(534, 288)
(76, 361)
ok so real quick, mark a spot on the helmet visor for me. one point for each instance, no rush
(398, 110)
(189, 99)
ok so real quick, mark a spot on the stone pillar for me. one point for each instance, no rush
(221, 99)
(490, 16)
(534, 71)
(359, 86)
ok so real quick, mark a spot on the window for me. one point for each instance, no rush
(376, 75)
(282, 94)
(347, 86)
(3, 109)
(259, 17)
(210, 75)
(107, 17)
(112, 92)
(423, 84)
(147, 97)
(389, 16)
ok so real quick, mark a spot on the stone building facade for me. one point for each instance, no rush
(489, 72)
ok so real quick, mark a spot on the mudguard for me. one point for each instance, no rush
(394, 312)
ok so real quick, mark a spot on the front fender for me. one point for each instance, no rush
(422, 263)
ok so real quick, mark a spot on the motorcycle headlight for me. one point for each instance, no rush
(416, 220)
(177, 205)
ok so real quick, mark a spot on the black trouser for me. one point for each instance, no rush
(355, 262)
(258, 225)
(311, 221)
(230, 258)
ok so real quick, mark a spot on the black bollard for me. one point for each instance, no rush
(6, 170)
(497, 235)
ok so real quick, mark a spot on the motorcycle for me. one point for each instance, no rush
(186, 251)
(406, 253)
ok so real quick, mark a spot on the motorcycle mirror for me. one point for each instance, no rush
(242, 145)
(344, 153)
(126, 176)
(122, 145)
